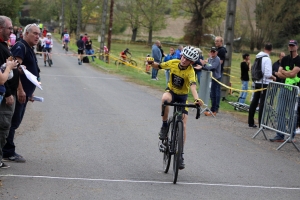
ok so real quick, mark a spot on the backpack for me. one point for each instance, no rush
(256, 71)
(85, 59)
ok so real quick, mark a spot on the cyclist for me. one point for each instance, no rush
(182, 79)
(124, 53)
(47, 47)
(66, 40)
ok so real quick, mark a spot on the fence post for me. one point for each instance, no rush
(204, 89)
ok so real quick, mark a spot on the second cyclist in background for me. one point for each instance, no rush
(124, 53)
(66, 40)
(48, 44)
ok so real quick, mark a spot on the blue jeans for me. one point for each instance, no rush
(198, 74)
(167, 73)
(9, 147)
(243, 96)
(154, 73)
(1, 98)
(215, 95)
(89, 52)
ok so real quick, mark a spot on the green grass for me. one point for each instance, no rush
(137, 75)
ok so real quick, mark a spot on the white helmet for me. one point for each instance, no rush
(48, 34)
(190, 53)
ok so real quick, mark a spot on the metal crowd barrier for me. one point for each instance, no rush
(204, 90)
(280, 111)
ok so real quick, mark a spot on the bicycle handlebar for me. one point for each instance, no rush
(181, 105)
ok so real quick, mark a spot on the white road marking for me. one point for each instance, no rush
(157, 182)
(81, 76)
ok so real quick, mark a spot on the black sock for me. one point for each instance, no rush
(165, 124)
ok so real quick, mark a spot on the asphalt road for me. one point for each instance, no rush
(95, 137)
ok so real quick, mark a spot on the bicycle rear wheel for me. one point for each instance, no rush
(177, 149)
(167, 153)
(133, 63)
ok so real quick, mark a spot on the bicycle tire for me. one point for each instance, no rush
(133, 62)
(167, 153)
(177, 149)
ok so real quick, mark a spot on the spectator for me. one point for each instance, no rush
(147, 65)
(289, 69)
(45, 31)
(20, 33)
(213, 64)
(221, 52)
(162, 52)
(80, 46)
(7, 91)
(24, 53)
(197, 66)
(156, 54)
(106, 53)
(89, 47)
(178, 52)
(245, 67)
(276, 65)
(259, 96)
(12, 39)
(168, 57)
(85, 38)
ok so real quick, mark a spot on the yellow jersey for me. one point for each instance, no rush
(180, 79)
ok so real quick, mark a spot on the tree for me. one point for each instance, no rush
(153, 15)
(277, 24)
(11, 9)
(50, 10)
(129, 13)
(199, 11)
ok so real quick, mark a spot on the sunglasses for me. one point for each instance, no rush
(212, 51)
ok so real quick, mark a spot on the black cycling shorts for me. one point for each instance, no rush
(47, 49)
(179, 99)
(80, 51)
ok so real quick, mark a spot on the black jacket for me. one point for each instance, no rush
(12, 84)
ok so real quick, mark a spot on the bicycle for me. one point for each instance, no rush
(173, 144)
(236, 104)
(128, 60)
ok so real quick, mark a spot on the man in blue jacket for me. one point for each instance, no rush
(156, 54)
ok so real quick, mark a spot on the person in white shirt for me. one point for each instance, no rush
(259, 96)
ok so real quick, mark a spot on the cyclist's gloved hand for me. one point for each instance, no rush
(150, 60)
(199, 102)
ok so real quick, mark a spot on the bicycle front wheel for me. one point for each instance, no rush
(133, 63)
(178, 147)
(167, 144)
(48, 60)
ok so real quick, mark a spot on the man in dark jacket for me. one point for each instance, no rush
(7, 105)
(24, 53)
(80, 46)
